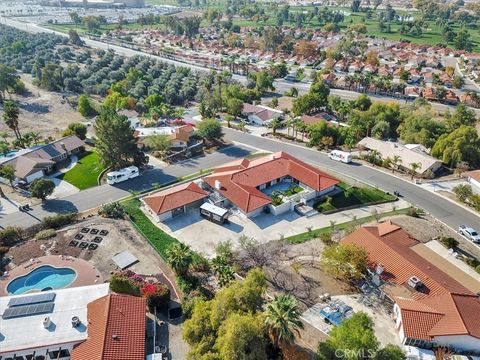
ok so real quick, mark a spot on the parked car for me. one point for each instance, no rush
(469, 233)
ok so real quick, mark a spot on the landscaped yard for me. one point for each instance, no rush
(85, 174)
(157, 238)
(315, 233)
(351, 196)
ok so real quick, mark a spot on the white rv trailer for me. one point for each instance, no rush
(124, 174)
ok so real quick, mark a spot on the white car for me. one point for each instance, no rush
(469, 233)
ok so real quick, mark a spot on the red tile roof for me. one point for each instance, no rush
(116, 329)
(239, 180)
(393, 251)
(445, 308)
(175, 197)
(475, 174)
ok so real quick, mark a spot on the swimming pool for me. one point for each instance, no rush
(9, 154)
(45, 277)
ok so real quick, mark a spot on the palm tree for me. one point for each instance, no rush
(10, 116)
(414, 167)
(274, 125)
(396, 161)
(35, 136)
(179, 257)
(374, 156)
(282, 318)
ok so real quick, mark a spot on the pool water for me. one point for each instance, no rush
(41, 279)
(8, 155)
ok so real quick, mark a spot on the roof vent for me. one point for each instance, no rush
(218, 184)
(115, 337)
(75, 321)
(415, 282)
(46, 322)
(272, 157)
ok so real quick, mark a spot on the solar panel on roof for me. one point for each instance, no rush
(32, 299)
(28, 310)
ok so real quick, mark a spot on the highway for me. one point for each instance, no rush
(281, 85)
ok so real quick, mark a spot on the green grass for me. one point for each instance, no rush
(351, 196)
(156, 237)
(194, 175)
(309, 235)
(85, 173)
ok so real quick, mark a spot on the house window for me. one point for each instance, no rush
(58, 354)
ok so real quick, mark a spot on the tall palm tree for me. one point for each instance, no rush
(374, 156)
(282, 318)
(396, 161)
(414, 167)
(10, 116)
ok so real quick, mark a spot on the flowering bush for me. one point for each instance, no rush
(157, 295)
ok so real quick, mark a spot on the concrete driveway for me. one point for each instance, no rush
(62, 188)
(202, 235)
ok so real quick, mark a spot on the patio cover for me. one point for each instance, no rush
(124, 259)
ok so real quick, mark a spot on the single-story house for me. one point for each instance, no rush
(41, 160)
(259, 114)
(250, 185)
(408, 155)
(473, 177)
(431, 307)
(181, 136)
(174, 201)
(116, 329)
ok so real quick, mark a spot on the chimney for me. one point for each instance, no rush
(218, 184)
(62, 145)
(272, 156)
(75, 321)
(46, 322)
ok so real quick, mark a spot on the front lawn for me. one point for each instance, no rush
(85, 173)
(351, 196)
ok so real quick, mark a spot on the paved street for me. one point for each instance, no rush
(94, 197)
(446, 211)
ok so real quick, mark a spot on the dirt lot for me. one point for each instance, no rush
(121, 236)
(43, 111)
(428, 228)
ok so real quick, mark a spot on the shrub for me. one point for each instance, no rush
(449, 242)
(10, 235)
(472, 262)
(113, 210)
(59, 220)
(326, 238)
(4, 249)
(157, 295)
(45, 234)
(413, 212)
(477, 269)
(122, 284)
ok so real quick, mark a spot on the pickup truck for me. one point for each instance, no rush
(469, 233)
